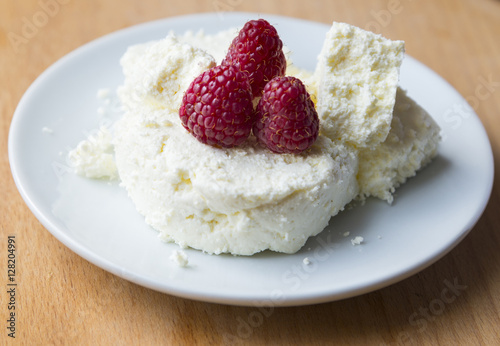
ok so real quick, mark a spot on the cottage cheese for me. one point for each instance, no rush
(247, 199)
(157, 73)
(357, 73)
(358, 240)
(180, 258)
(242, 200)
(93, 157)
(411, 144)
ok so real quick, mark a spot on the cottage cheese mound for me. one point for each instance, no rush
(411, 144)
(241, 200)
(357, 73)
(217, 44)
(157, 73)
(248, 199)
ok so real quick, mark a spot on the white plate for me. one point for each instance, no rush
(95, 219)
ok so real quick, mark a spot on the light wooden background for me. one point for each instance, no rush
(62, 299)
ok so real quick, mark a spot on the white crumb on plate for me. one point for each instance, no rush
(180, 258)
(357, 240)
(103, 93)
(346, 234)
(306, 261)
(47, 130)
(94, 157)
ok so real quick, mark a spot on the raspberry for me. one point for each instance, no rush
(286, 120)
(258, 51)
(217, 107)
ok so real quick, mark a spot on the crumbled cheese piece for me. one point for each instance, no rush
(358, 73)
(93, 157)
(306, 261)
(47, 130)
(180, 258)
(103, 93)
(357, 240)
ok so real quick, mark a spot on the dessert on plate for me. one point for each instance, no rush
(227, 147)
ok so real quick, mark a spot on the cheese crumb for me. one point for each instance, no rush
(103, 93)
(306, 261)
(180, 258)
(93, 157)
(357, 240)
(47, 130)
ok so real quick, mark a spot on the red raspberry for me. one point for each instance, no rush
(257, 50)
(286, 120)
(217, 107)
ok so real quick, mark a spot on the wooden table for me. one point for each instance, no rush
(63, 299)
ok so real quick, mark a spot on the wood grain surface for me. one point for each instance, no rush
(62, 299)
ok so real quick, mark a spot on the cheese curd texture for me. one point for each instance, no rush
(247, 199)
